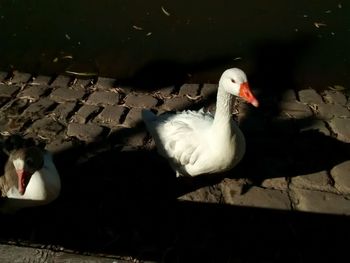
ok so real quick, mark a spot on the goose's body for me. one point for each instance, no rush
(196, 142)
(40, 186)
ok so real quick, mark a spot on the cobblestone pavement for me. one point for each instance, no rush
(120, 198)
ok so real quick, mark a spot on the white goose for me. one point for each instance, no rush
(30, 179)
(196, 142)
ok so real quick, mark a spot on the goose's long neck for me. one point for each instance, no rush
(222, 118)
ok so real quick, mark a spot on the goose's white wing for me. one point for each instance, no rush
(180, 137)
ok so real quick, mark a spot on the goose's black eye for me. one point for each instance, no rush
(233, 81)
(29, 161)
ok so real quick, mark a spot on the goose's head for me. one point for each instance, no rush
(26, 162)
(235, 82)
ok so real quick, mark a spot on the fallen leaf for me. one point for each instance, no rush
(137, 27)
(165, 11)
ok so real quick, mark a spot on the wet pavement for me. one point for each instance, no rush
(285, 202)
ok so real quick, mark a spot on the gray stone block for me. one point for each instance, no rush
(342, 128)
(314, 181)
(133, 118)
(8, 90)
(295, 109)
(62, 111)
(278, 183)
(33, 92)
(209, 194)
(82, 115)
(59, 145)
(46, 128)
(3, 76)
(84, 132)
(189, 89)
(61, 81)
(329, 111)
(41, 80)
(260, 197)
(310, 96)
(209, 90)
(103, 98)
(111, 115)
(140, 100)
(317, 125)
(39, 108)
(341, 176)
(335, 97)
(105, 83)
(20, 78)
(128, 136)
(319, 202)
(289, 95)
(176, 104)
(66, 94)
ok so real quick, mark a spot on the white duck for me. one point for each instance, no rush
(196, 142)
(30, 179)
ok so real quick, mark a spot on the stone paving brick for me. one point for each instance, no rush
(12, 125)
(4, 100)
(289, 95)
(319, 202)
(175, 104)
(328, 111)
(46, 128)
(7, 90)
(20, 78)
(166, 91)
(295, 109)
(278, 183)
(103, 98)
(133, 118)
(81, 84)
(38, 108)
(317, 125)
(310, 96)
(128, 136)
(85, 132)
(59, 145)
(209, 90)
(82, 115)
(314, 181)
(61, 81)
(342, 128)
(66, 94)
(335, 97)
(62, 111)
(208, 194)
(3, 76)
(41, 80)
(189, 89)
(111, 115)
(231, 187)
(105, 83)
(33, 92)
(341, 176)
(15, 107)
(260, 197)
(140, 100)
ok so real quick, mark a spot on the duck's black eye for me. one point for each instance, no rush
(233, 81)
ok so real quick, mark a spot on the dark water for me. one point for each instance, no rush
(187, 41)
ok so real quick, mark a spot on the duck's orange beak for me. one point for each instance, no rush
(246, 93)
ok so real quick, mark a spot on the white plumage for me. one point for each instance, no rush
(196, 142)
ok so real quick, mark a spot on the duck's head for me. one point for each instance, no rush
(26, 162)
(235, 82)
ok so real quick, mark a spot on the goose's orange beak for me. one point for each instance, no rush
(246, 93)
(23, 179)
